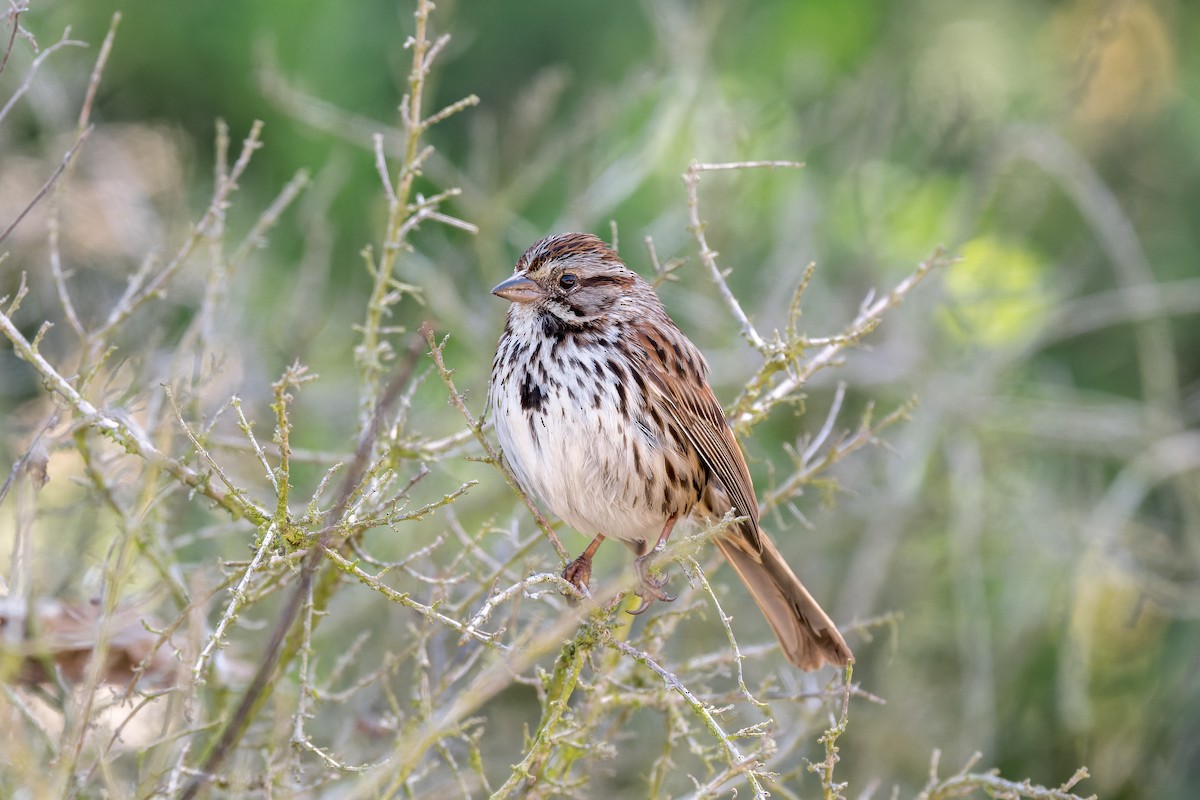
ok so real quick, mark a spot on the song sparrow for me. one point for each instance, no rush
(604, 412)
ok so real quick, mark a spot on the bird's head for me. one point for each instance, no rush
(573, 277)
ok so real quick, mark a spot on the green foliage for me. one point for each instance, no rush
(246, 533)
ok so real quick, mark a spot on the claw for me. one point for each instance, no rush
(652, 586)
(642, 608)
(651, 590)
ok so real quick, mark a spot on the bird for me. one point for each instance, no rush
(605, 415)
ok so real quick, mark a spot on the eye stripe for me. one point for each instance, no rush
(602, 280)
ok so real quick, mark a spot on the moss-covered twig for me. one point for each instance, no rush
(964, 783)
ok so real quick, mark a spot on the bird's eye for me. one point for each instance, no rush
(568, 280)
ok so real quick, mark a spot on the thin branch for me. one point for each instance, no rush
(697, 572)
(739, 763)
(124, 432)
(966, 782)
(237, 601)
(21, 90)
(496, 599)
(62, 167)
(137, 294)
(15, 10)
(85, 111)
(691, 179)
(868, 318)
(260, 687)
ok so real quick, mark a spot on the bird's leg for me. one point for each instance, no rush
(652, 585)
(579, 572)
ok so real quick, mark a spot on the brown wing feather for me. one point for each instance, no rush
(679, 373)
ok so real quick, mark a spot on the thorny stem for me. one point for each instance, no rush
(560, 686)
(294, 376)
(869, 315)
(964, 782)
(734, 757)
(124, 432)
(286, 641)
(496, 599)
(237, 601)
(696, 572)
(203, 452)
(373, 353)
(831, 790)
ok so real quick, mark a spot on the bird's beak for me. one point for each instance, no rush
(518, 289)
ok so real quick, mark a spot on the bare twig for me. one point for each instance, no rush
(869, 315)
(260, 687)
(122, 431)
(15, 10)
(373, 352)
(85, 110)
(965, 782)
(738, 763)
(64, 41)
(54, 176)
(691, 179)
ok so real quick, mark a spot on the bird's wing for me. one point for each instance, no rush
(679, 377)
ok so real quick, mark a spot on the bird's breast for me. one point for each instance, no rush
(578, 429)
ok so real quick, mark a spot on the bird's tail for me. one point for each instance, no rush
(807, 634)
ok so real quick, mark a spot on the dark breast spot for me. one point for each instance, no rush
(533, 398)
(553, 327)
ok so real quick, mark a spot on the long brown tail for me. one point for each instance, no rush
(807, 634)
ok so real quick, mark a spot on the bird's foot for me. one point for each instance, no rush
(579, 573)
(652, 584)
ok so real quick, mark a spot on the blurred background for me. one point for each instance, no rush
(1034, 525)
